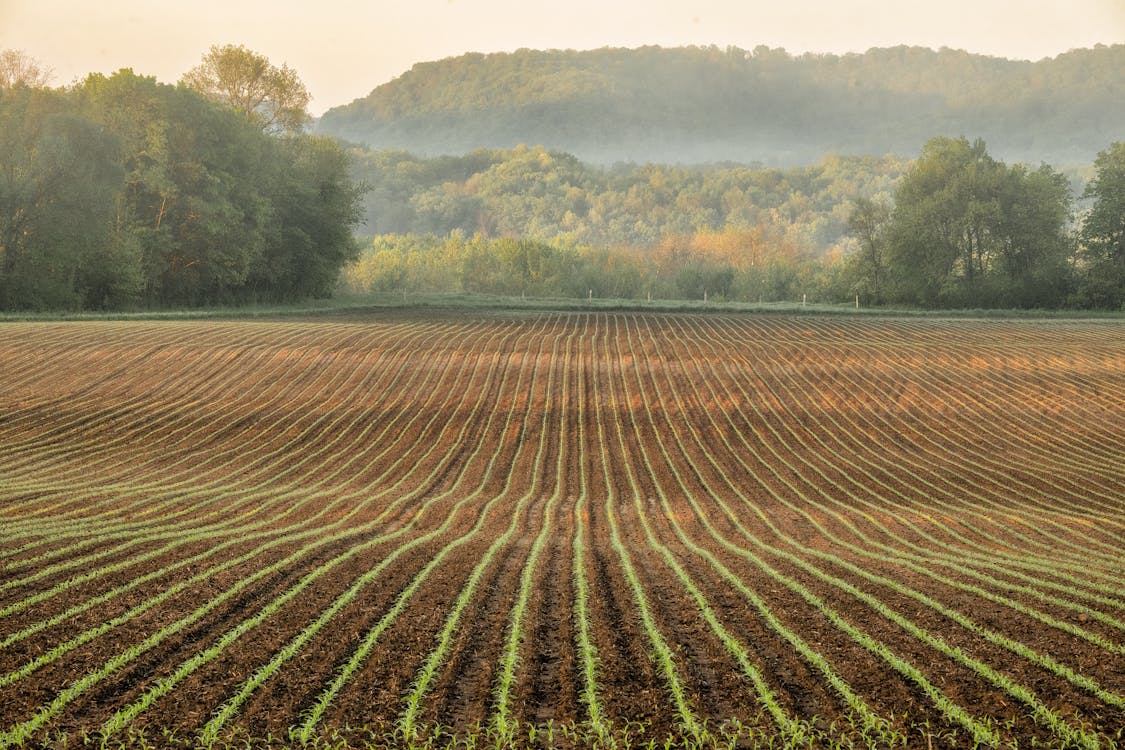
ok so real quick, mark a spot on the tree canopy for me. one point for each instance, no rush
(273, 97)
(1102, 248)
(121, 191)
(541, 194)
(955, 228)
(969, 231)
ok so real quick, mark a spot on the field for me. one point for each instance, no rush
(565, 528)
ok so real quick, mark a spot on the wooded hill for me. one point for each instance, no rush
(708, 104)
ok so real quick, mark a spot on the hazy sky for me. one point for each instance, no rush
(344, 48)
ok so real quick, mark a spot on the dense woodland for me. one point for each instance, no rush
(704, 104)
(530, 191)
(954, 228)
(121, 192)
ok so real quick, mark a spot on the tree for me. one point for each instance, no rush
(18, 70)
(967, 230)
(1102, 237)
(867, 223)
(315, 206)
(1032, 265)
(122, 190)
(59, 174)
(274, 98)
(193, 194)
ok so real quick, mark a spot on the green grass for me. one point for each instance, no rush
(359, 304)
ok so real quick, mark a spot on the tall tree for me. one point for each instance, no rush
(19, 70)
(967, 230)
(1032, 264)
(315, 205)
(59, 173)
(194, 188)
(1102, 248)
(273, 97)
(867, 223)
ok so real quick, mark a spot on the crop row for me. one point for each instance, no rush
(807, 531)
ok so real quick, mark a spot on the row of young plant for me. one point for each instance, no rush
(174, 505)
(1006, 435)
(222, 386)
(869, 544)
(793, 731)
(205, 424)
(1041, 712)
(950, 364)
(918, 473)
(863, 446)
(213, 729)
(94, 573)
(504, 722)
(678, 479)
(206, 495)
(410, 720)
(953, 559)
(273, 539)
(174, 373)
(803, 471)
(597, 721)
(869, 724)
(37, 722)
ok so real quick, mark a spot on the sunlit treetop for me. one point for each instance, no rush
(18, 70)
(271, 96)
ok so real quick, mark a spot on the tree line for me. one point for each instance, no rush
(956, 228)
(535, 192)
(120, 191)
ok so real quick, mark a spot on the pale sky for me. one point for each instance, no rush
(342, 49)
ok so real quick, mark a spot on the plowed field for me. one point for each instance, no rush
(563, 529)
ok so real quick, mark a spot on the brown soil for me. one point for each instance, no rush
(968, 463)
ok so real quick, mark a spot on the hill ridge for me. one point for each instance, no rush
(702, 104)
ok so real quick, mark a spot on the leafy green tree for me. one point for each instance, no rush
(1032, 267)
(122, 191)
(967, 230)
(1102, 237)
(273, 97)
(141, 112)
(939, 231)
(867, 222)
(59, 175)
(314, 206)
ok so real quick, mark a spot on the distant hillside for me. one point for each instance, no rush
(690, 105)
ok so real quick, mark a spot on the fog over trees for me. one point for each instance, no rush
(705, 104)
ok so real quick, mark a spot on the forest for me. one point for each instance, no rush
(953, 228)
(122, 192)
(689, 105)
